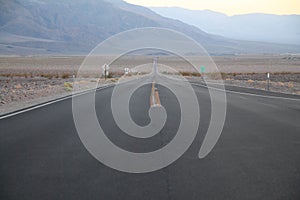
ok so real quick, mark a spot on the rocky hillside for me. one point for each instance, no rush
(77, 26)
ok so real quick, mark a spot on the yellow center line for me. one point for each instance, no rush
(154, 96)
(151, 95)
(157, 98)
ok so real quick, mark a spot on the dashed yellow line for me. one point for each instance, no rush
(157, 98)
(151, 95)
(154, 96)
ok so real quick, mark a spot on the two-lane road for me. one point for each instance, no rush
(256, 157)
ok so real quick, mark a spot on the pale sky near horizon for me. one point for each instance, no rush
(229, 7)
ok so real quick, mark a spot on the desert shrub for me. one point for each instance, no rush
(291, 85)
(195, 74)
(280, 83)
(110, 75)
(68, 86)
(65, 75)
(223, 75)
(185, 73)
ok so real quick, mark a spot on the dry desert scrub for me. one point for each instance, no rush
(186, 73)
(285, 82)
(276, 77)
(68, 86)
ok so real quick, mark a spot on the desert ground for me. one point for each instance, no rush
(26, 81)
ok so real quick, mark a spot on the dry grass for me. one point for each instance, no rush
(114, 80)
(291, 85)
(280, 83)
(18, 86)
(68, 86)
(65, 75)
(186, 73)
(49, 76)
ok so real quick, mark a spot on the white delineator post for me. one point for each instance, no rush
(268, 81)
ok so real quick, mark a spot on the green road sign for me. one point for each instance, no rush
(202, 69)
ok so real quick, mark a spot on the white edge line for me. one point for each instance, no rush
(97, 89)
(64, 98)
(248, 94)
(234, 92)
(53, 101)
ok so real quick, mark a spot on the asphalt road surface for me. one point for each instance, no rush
(256, 157)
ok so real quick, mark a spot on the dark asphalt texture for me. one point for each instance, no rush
(256, 157)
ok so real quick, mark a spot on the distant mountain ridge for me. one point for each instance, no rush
(77, 26)
(251, 27)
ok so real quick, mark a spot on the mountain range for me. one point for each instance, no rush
(253, 27)
(30, 27)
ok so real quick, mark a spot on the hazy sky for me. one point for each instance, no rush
(229, 7)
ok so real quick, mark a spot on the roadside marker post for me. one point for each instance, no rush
(268, 80)
(127, 70)
(105, 70)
